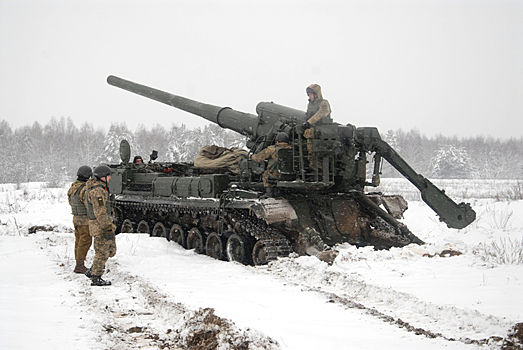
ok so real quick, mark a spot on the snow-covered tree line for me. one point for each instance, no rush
(457, 158)
(53, 152)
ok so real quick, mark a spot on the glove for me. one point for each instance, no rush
(306, 125)
(109, 234)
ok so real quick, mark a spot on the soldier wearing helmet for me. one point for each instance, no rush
(100, 223)
(271, 153)
(318, 112)
(76, 197)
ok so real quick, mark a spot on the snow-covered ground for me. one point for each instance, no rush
(165, 297)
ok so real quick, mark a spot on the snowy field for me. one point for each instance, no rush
(461, 290)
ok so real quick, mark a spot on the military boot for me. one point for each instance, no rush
(98, 281)
(88, 273)
(80, 267)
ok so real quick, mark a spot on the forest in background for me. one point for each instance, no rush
(53, 152)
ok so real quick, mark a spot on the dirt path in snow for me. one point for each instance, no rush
(132, 314)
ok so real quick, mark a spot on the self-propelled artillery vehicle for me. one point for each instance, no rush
(321, 197)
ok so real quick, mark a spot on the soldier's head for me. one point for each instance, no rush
(138, 160)
(314, 92)
(282, 137)
(102, 173)
(84, 173)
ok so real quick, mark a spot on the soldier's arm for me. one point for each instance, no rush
(83, 191)
(324, 111)
(69, 193)
(265, 154)
(98, 199)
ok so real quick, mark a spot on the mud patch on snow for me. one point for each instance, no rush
(514, 339)
(203, 330)
(36, 228)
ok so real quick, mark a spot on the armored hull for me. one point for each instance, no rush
(214, 215)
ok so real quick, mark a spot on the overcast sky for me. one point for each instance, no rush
(450, 67)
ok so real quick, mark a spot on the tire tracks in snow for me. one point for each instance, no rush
(401, 309)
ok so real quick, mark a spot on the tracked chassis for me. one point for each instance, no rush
(235, 233)
(251, 231)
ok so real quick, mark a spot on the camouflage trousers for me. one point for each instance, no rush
(103, 248)
(82, 237)
(265, 177)
(309, 135)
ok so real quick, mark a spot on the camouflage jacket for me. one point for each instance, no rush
(98, 207)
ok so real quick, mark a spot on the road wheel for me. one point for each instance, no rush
(178, 235)
(196, 241)
(127, 226)
(143, 227)
(237, 249)
(259, 256)
(159, 230)
(215, 246)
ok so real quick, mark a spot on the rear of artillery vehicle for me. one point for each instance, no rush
(225, 213)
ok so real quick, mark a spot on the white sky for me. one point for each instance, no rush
(450, 67)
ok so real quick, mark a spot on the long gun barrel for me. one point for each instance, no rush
(243, 123)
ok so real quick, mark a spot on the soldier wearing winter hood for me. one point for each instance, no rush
(318, 112)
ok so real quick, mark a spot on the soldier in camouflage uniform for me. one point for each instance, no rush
(271, 153)
(100, 223)
(76, 197)
(318, 112)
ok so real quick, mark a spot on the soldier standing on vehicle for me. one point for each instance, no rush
(100, 223)
(318, 112)
(76, 197)
(271, 153)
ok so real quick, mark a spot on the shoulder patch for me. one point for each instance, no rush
(100, 201)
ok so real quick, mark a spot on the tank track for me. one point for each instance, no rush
(276, 248)
(386, 232)
(274, 242)
(243, 222)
